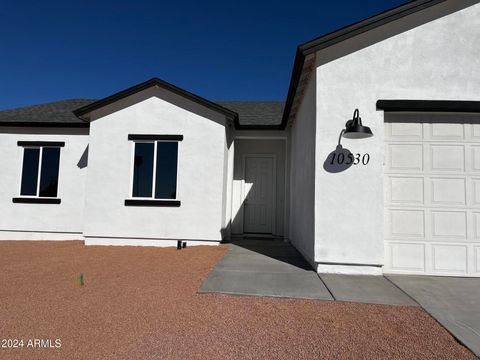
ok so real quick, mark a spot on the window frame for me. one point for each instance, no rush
(152, 201)
(40, 145)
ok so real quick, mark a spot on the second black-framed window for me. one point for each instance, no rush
(155, 169)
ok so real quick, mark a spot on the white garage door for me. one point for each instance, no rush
(432, 198)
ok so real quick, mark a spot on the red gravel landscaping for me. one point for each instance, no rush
(141, 303)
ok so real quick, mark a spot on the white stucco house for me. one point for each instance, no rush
(155, 164)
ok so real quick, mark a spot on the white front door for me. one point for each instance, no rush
(259, 194)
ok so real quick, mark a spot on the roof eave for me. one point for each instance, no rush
(365, 25)
(343, 34)
(295, 79)
(43, 124)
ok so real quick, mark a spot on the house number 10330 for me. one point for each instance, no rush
(350, 158)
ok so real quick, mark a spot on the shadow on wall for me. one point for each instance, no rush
(339, 159)
(83, 162)
(226, 232)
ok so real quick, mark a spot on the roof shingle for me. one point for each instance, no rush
(58, 112)
(256, 112)
(61, 112)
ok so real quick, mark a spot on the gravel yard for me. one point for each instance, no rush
(141, 303)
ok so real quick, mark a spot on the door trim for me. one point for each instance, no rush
(274, 183)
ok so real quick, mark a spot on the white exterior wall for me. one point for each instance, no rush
(62, 221)
(201, 170)
(228, 185)
(435, 61)
(302, 175)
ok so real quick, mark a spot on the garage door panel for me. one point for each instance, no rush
(475, 162)
(475, 198)
(432, 198)
(448, 191)
(407, 256)
(447, 131)
(406, 189)
(476, 225)
(405, 157)
(476, 251)
(449, 158)
(449, 224)
(475, 131)
(407, 223)
(449, 258)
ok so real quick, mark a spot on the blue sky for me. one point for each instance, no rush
(221, 50)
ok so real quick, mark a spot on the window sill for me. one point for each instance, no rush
(143, 202)
(26, 200)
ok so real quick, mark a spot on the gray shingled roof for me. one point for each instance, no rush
(256, 112)
(60, 112)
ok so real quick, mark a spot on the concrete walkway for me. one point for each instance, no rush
(365, 289)
(265, 268)
(453, 302)
(274, 268)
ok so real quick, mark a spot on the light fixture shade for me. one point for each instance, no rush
(354, 128)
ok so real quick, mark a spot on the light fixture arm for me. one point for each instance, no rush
(340, 137)
(356, 119)
(356, 114)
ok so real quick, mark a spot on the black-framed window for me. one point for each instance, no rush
(155, 169)
(40, 170)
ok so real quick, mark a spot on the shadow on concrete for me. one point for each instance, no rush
(264, 267)
(272, 248)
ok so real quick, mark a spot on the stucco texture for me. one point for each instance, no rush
(201, 169)
(64, 220)
(431, 55)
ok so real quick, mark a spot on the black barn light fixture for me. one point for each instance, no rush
(354, 128)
